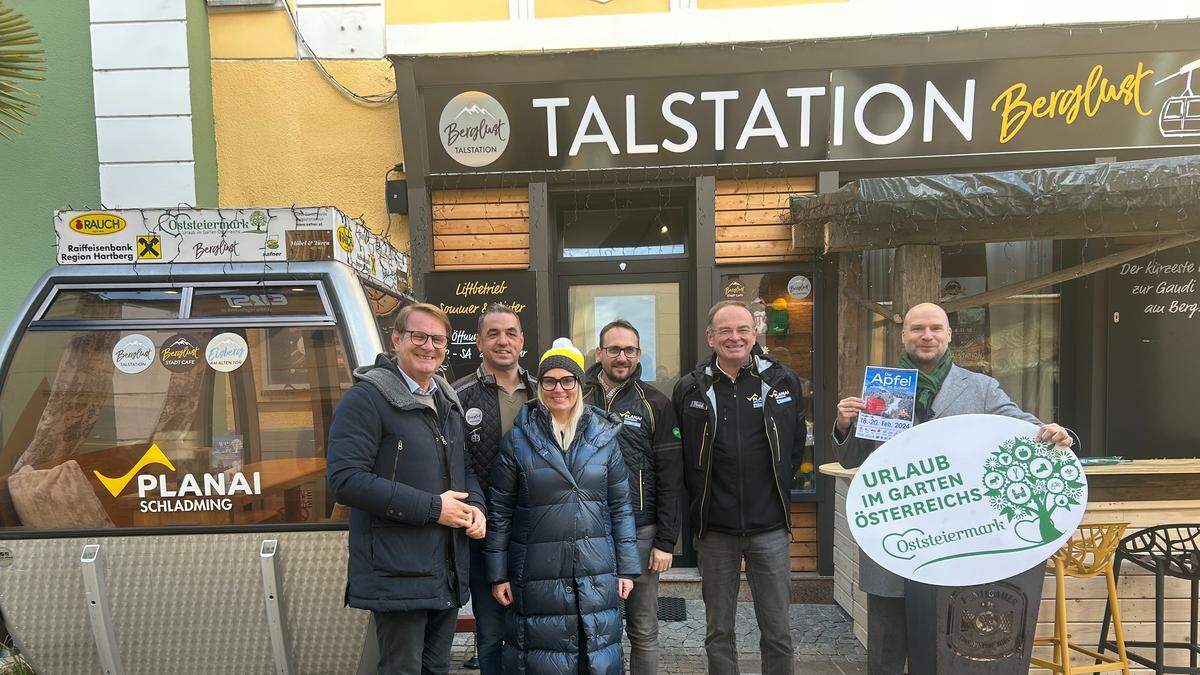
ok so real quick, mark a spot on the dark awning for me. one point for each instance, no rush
(1143, 197)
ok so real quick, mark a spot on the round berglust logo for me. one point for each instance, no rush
(799, 287)
(474, 416)
(133, 353)
(474, 129)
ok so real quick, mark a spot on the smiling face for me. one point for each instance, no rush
(620, 367)
(500, 341)
(926, 334)
(419, 361)
(732, 335)
(559, 400)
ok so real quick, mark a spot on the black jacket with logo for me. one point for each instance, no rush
(478, 392)
(651, 450)
(784, 430)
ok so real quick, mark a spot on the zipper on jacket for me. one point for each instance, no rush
(641, 492)
(769, 423)
(396, 458)
(707, 479)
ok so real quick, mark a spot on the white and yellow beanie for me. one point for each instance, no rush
(562, 354)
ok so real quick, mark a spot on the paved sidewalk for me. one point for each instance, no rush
(822, 636)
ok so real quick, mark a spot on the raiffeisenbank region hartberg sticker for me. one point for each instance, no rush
(965, 500)
(891, 397)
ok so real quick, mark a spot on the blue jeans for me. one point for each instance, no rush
(489, 615)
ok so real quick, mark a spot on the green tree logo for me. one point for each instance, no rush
(258, 222)
(1030, 481)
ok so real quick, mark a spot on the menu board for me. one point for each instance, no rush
(1153, 328)
(465, 295)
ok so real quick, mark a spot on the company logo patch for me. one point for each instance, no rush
(631, 420)
(755, 400)
(474, 416)
(698, 404)
(97, 223)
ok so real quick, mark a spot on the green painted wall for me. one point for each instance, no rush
(52, 164)
(204, 135)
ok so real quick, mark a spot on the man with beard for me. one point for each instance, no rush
(491, 398)
(943, 389)
(651, 450)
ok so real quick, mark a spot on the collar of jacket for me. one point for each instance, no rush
(761, 365)
(596, 426)
(487, 378)
(386, 377)
(591, 380)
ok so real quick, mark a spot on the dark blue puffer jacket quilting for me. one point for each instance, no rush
(561, 531)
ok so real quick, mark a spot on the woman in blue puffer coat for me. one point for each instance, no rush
(561, 546)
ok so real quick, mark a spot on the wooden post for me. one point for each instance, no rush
(916, 278)
(851, 319)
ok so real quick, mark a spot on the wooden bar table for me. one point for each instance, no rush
(1142, 492)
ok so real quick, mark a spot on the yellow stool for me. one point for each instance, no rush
(1088, 553)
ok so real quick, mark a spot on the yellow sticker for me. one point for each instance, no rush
(345, 239)
(97, 223)
(154, 455)
(149, 247)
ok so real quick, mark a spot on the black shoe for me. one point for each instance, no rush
(471, 663)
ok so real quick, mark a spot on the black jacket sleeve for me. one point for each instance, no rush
(505, 486)
(668, 474)
(800, 438)
(354, 437)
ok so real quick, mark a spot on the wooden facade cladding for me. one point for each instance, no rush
(803, 550)
(753, 219)
(484, 229)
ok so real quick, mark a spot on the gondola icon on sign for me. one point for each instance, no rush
(1180, 115)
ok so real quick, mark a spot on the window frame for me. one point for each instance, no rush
(180, 323)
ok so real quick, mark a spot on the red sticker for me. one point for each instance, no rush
(875, 405)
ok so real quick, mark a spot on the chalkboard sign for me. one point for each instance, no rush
(464, 296)
(1153, 373)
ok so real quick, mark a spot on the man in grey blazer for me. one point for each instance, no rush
(943, 390)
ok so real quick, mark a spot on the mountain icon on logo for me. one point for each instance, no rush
(474, 109)
(154, 455)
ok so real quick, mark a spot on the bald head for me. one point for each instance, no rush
(925, 334)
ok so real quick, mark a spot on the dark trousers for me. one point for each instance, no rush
(416, 642)
(768, 569)
(489, 616)
(887, 635)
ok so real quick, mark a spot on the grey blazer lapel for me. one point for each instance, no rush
(954, 386)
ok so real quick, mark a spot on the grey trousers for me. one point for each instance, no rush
(641, 611)
(768, 569)
(415, 642)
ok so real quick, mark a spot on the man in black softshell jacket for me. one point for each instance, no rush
(397, 459)
(741, 417)
(651, 450)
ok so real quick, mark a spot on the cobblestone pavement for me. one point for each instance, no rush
(822, 636)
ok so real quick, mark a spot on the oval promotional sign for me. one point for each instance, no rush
(965, 500)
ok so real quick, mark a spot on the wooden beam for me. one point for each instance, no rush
(864, 303)
(916, 278)
(1071, 273)
(838, 237)
(851, 356)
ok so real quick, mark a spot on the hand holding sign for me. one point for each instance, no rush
(961, 488)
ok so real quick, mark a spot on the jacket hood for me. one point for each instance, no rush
(598, 427)
(385, 376)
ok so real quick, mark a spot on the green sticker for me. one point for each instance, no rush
(676, 432)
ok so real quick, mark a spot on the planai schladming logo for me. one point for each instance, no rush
(193, 493)
(474, 129)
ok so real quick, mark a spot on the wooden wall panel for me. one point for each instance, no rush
(804, 537)
(476, 229)
(753, 219)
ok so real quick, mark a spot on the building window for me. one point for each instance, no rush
(1015, 340)
(625, 225)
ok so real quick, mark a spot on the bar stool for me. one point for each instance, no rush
(1167, 551)
(1088, 553)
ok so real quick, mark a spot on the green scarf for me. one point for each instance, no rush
(928, 384)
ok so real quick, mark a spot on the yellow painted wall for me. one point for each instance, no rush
(442, 11)
(742, 4)
(245, 34)
(286, 136)
(549, 9)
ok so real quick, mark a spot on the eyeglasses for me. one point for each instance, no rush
(629, 352)
(418, 338)
(568, 383)
(743, 331)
